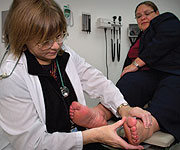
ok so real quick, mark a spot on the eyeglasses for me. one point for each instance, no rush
(49, 43)
(146, 13)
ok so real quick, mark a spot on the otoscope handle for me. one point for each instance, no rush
(119, 52)
(112, 50)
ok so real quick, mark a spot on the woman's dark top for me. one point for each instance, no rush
(160, 44)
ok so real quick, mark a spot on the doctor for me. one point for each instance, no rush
(48, 77)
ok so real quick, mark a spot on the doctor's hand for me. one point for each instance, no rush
(145, 116)
(108, 135)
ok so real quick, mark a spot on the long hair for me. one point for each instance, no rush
(32, 20)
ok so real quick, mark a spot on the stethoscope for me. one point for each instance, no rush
(5, 75)
(64, 90)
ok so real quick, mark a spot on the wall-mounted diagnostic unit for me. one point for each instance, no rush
(86, 22)
(3, 18)
(114, 25)
(68, 15)
(133, 32)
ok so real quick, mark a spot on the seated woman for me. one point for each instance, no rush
(152, 74)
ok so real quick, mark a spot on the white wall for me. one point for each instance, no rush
(92, 46)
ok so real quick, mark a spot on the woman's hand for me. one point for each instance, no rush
(108, 135)
(134, 66)
(137, 112)
(130, 68)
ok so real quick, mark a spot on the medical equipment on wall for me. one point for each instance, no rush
(115, 29)
(133, 32)
(113, 41)
(119, 39)
(86, 22)
(68, 15)
(3, 16)
(4, 74)
(114, 26)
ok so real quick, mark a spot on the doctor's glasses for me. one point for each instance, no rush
(49, 43)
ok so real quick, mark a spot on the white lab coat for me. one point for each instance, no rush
(22, 109)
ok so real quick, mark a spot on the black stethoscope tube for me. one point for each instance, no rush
(119, 49)
(112, 47)
(119, 46)
(114, 32)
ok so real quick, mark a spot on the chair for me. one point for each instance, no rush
(160, 139)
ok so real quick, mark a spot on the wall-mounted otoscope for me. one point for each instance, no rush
(113, 44)
(115, 33)
(114, 26)
(119, 40)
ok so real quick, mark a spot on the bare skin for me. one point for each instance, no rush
(136, 132)
(98, 116)
(95, 117)
(108, 135)
(89, 117)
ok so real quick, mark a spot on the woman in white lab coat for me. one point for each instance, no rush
(43, 78)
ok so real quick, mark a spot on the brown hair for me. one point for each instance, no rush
(148, 3)
(29, 20)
